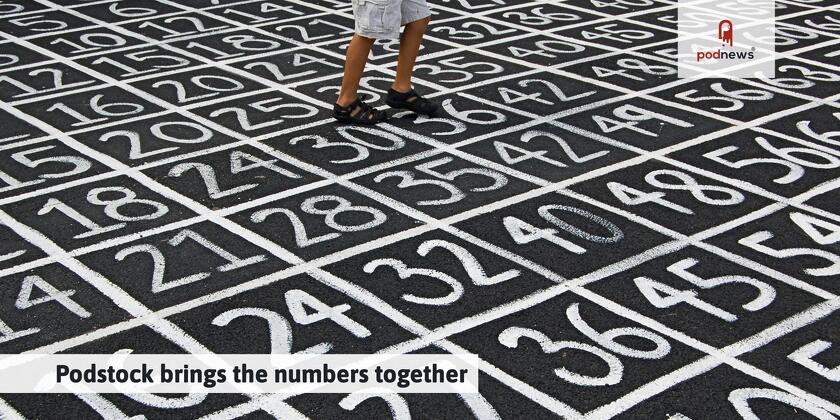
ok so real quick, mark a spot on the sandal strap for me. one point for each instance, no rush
(347, 109)
(405, 96)
(421, 103)
(366, 111)
(411, 100)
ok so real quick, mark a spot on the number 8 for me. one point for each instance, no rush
(343, 206)
(112, 207)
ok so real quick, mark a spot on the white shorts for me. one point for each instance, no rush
(381, 19)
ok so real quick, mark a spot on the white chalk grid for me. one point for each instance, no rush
(612, 240)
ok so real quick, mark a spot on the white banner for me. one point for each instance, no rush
(238, 373)
(726, 38)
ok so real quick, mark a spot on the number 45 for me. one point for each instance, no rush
(663, 296)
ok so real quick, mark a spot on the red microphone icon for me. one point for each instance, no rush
(725, 31)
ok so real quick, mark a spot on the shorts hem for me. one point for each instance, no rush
(414, 17)
(379, 35)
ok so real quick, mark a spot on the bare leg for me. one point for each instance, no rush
(357, 56)
(410, 41)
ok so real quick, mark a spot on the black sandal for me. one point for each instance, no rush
(411, 101)
(365, 114)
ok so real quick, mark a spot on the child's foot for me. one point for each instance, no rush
(358, 112)
(412, 101)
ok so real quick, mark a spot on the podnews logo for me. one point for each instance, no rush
(726, 34)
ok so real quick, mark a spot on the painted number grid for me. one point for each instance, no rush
(612, 241)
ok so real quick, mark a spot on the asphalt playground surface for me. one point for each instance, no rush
(611, 240)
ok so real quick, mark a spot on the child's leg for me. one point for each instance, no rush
(377, 19)
(357, 55)
(416, 16)
(410, 41)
